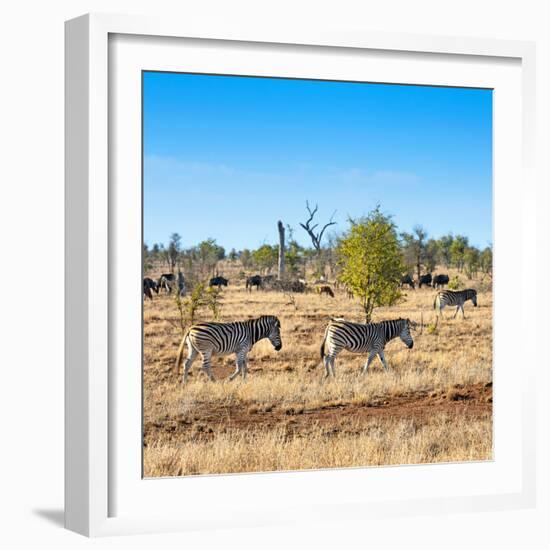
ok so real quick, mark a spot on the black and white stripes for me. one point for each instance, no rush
(207, 339)
(368, 338)
(454, 298)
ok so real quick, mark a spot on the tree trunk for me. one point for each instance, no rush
(281, 266)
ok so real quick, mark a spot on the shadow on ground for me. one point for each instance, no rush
(56, 517)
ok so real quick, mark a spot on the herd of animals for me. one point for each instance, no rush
(214, 338)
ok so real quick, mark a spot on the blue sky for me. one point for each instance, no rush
(226, 157)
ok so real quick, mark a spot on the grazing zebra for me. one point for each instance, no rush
(368, 338)
(209, 339)
(452, 298)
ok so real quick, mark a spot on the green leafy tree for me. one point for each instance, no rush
(458, 248)
(486, 260)
(371, 261)
(471, 261)
(414, 248)
(246, 257)
(266, 256)
(209, 253)
(293, 257)
(444, 245)
(174, 249)
(432, 255)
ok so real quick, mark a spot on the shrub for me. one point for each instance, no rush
(455, 283)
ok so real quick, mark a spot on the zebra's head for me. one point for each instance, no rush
(274, 331)
(405, 333)
(473, 297)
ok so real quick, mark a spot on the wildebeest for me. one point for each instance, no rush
(407, 280)
(218, 281)
(167, 281)
(255, 280)
(148, 286)
(325, 289)
(425, 280)
(439, 281)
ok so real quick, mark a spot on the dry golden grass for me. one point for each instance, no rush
(285, 416)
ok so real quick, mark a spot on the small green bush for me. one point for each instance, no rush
(455, 283)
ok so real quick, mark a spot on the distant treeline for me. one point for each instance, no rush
(420, 252)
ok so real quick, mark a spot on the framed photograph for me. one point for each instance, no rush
(292, 275)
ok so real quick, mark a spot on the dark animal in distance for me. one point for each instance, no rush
(255, 280)
(425, 280)
(149, 285)
(407, 280)
(167, 281)
(325, 289)
(439, 281)
(218, 281)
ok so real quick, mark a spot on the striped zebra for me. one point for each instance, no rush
(368, 338)
(207, 339)
(454, 298)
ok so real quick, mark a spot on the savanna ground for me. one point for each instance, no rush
(435, 404)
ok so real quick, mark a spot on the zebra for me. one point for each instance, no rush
(362, 338)
(452, 298)
(209, 339)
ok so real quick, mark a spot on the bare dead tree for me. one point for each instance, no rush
(281, 265)
(316, 238)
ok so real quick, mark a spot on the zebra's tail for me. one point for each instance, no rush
(436, 301)
(179, 357)
(323, 344)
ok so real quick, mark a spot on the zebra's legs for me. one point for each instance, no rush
(332, 362)
(383, 359)
(188, 362)
(372, 355)
(241, 366)
(458, 308)
(327, 367)
(206, 357)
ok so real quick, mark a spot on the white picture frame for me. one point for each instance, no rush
(103, 427)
